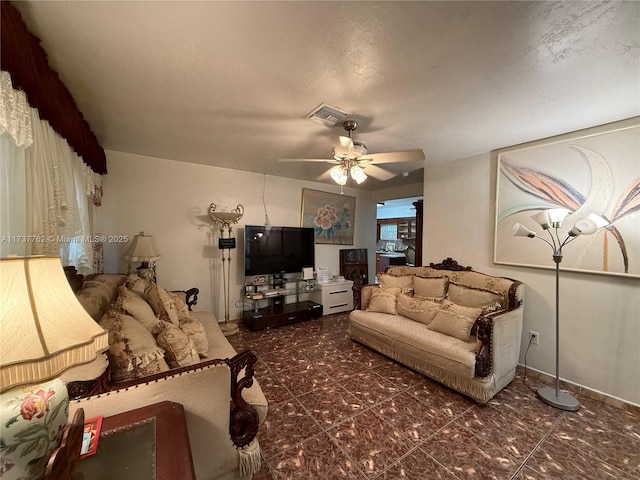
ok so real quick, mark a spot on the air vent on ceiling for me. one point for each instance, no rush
(327, 114)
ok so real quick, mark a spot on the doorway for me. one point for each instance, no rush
(398, 233)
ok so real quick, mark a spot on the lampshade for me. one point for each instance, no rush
(339, 174)
(45, 330)
(584, 226)
(542, 218)
(557, 216)
(520, 230)
(142, 249)
(357, 173)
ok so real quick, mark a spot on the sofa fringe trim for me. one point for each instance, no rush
(474, 388)
(249, 459)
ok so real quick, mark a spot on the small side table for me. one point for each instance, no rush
(150, 442)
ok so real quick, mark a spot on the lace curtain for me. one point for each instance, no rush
(58, 191)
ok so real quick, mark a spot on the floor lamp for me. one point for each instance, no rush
(552, 219)
(226, 220)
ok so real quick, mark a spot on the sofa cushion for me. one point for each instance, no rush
(383, 300)
(133, 352)
(403, 282)
(178, 301)
(179, 349)
(94, 299)
(411, 339)
(430, 287)
(474, 297)
(455, 320)
(134, 305)
(162, 303)
(417, 308)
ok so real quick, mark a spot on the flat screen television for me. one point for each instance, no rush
(277, 249)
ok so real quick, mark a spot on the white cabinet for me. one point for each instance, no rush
(334, 297)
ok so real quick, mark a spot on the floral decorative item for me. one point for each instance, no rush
(33, 420)
(595, 173)
(332, 216)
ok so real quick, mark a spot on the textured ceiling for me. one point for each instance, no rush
(229, 83)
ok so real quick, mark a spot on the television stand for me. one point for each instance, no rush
(278, 312)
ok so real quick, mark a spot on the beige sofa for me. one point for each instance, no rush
(459, 327)
(223, 403)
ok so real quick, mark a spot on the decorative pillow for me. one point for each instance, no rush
(179, 350)
(473, 297)
(133, 352)
(416, 308)
(403, 282)
(134, 305)
(196, 332)
(181, 307)
(455, 320)
(162, 303)
(94, 301)
(383, 300)
(137, 284)
(433, 287)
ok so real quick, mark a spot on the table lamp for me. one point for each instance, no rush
(44, 332)
(142, 249)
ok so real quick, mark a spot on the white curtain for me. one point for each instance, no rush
(57, 190)
(15, 136)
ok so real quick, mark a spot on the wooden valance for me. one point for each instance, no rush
(24, 58)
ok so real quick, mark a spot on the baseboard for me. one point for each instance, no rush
(578, 389)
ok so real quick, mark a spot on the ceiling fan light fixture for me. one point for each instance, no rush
(357, 173)
(339, 174)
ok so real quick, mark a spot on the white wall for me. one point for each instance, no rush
(166, 199)
(599, 314)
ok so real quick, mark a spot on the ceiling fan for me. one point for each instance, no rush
(350, 159)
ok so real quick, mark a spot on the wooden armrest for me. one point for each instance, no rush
(192, 297)
(243, 419)
(483, 355)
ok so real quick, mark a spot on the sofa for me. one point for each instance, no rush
(191, 363)
(459, 327)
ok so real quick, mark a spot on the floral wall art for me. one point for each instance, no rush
(332, 216)
(597, 173)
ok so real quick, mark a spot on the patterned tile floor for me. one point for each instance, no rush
(339, 410)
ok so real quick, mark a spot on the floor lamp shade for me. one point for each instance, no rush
(45, 331)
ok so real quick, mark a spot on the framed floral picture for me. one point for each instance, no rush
(595, 173)
(332, 216)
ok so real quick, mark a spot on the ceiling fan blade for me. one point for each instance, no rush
(401, 156)
(324, 177)
(379, 173)
(319, 160)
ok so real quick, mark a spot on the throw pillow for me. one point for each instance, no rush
(134, 305)
(403, 282)
(432, 287)
(455, 320)
(137, 284)
(196, 332)
(179, 350)
(133, 352)
(383, 300)
(162, 303)
(473, 297)
(416, 308)
(181, 307)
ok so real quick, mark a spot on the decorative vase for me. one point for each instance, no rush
(33, 418)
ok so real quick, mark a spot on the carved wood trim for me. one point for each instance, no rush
(192, 297)
(75, 279)
(63, 460)
(483, 356)
(244, 418)
(449, 264)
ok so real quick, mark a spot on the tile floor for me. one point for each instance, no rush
(339, 410)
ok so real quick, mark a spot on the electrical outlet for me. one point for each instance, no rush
(534, 337)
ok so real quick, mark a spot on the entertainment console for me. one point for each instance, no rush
(278, 312)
